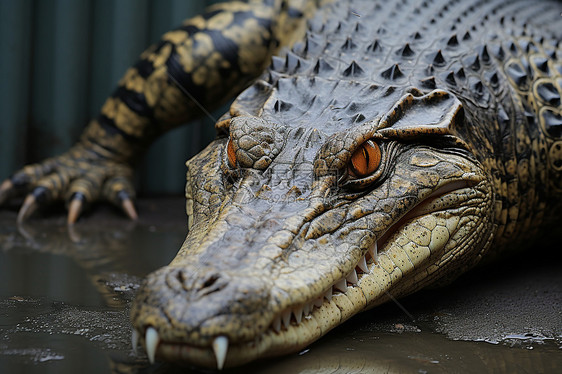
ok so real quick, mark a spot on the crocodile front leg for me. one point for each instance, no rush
(193, 68)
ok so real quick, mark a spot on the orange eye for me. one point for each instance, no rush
(231, 154)
(365, 160)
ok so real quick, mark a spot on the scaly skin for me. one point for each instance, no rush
(289, 237)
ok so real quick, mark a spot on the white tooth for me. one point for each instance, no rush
(286, 316)
(318, 302)
(220, 346)
(151, 341)
(363, 265)
(277, 324)
(341, 285)
(374, 251)
(135, 339)
(298, 314)
(352, 277)
(306, 309)
(328, 294)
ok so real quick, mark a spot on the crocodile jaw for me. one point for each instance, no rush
(414, 251)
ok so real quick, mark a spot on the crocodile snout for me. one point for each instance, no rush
(190, 304)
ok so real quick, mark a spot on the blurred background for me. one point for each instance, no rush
(60, 59)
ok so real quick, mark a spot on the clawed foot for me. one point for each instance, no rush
(76, 177)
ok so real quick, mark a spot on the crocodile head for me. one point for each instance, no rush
(297, 224)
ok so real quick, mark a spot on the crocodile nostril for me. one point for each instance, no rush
(209, 282)
(199, 282)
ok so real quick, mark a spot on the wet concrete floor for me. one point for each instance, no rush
(65, 295)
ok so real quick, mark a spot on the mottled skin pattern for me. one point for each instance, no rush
(287, 239)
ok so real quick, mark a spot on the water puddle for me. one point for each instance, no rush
(65, 296)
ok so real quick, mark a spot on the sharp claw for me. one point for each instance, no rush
(29, 206)
(40, 195)
(75, 208)
(5, 188)
(129, 209)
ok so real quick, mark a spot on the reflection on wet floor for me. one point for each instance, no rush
(65, 295)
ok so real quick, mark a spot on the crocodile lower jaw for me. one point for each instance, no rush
(297, 326)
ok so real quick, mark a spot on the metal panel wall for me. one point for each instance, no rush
(60, 59)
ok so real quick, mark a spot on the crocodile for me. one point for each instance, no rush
(373, 149)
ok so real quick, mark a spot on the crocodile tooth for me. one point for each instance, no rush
(318, 302)
(374, 250)
(363, 265)
(276, 324)
(220, 346)
(306, 309)
(151, 341)
(341, 285)
(311, 306)
(328, 294)
(286, 316)
(352, 277)
(298, 314)
(135, 339)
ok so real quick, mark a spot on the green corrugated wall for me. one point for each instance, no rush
(60, 59)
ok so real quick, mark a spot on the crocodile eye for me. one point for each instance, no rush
(231, 154)
(365, 160)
